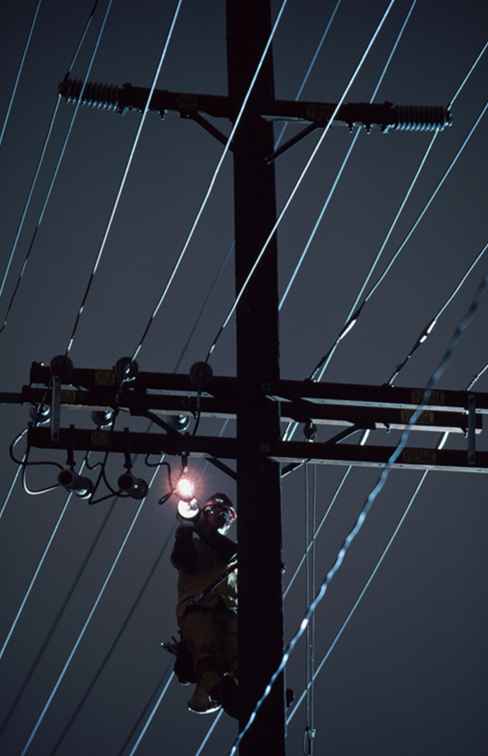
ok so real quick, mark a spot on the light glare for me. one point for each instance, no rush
(185, 488)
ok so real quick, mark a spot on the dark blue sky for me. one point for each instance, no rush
(407, 676)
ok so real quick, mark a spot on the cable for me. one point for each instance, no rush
(310, 68)
(152, 714)
(209, 733)
(164, 685)
(86, 624)
(368, 582)
(316, 533)
(19, 71)
(344, 163)
(285, 125)
(39, 165)
(294, 274)
(356, 311)
(298, 182)
(212, 182)
(113, 645)
(57, 620)
(382, 557)
(124, 175)
(367, 506)
(427, 331)
(61, 612)
(424, 334)
(10, 491)
(36, 573)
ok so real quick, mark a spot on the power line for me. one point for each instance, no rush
(57, 620)
(293, 277)
(108, 654)
(344, 163)
(86, 624)
(19, 70)
(354, 312)
(83, 566)
(152, 714)
(422, 338)
(40, 162)
(211, 184)
(299, 93)
(310, 67)
(36, 573)
(433, 381)
(167, 679)
(368, 582)
(298, 182)
(382, 557)
(427, 331)
(124, 175)
(353, 318)
(10, 491)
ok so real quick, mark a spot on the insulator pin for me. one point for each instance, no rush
(419, 118)
(99, 96)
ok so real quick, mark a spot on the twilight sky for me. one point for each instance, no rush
(407, 675)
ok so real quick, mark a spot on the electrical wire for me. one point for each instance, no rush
(152, 714)
(357, 310)
(10, 491)
(298, 183)
(427, 331)
(279, 139)
(36, 573)
(340, 632)
(85, 625)
(310, 68)
(40, 162)
(82, 568)
(19, 71)
(310, 527)
(167, 679)
(351, 318)
(59, 616)
(209, 733)
(344, 163)
(109, 653)
(382, 557)
(424, 334)
(211, 184)
(453, 343)
(124, 175)
(293, 277)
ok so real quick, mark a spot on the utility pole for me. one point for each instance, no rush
(252, 396)
(258, 420)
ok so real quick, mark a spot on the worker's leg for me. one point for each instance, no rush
(227, 624)
(228, 689)
(199, 632)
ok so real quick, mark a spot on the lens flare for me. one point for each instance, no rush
(185, 488)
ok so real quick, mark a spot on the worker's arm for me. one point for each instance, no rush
(225, 547)
(184, 555)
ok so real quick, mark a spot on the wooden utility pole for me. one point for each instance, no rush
(258, 420)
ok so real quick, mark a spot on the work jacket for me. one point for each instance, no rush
(201, 560)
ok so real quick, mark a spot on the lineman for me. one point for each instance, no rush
(207, 607)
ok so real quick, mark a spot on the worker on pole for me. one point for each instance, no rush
(206, 611)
